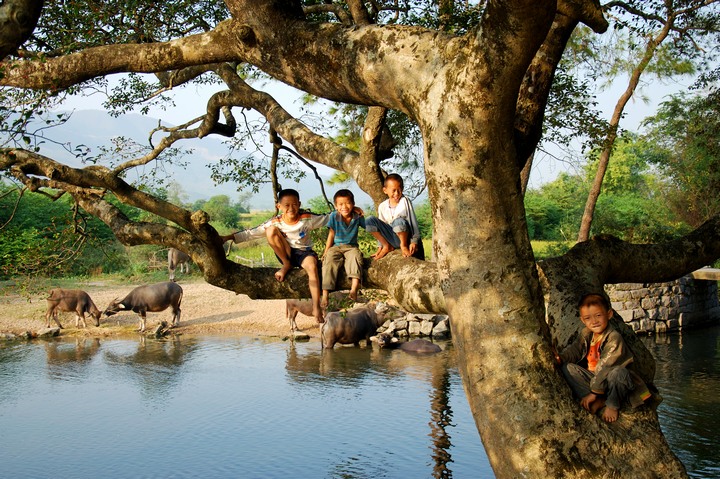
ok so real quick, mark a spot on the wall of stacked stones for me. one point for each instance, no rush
(403, 325)
(663, 307)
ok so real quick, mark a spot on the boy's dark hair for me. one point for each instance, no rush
(594, 299)
(344, 193)
(396, 177)
(288, 192)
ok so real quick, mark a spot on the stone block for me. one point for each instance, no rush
(424, 316)
(647, 326)
(426, 327)
(640, 293)
(400, 324)
(441, 329)
(648, 303)
(625, 315)
(673, 324)
(413, 328)
(660, 327)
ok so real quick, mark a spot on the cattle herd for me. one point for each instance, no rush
(151, 298)
(340, 327)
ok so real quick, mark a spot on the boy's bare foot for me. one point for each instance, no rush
(318, 316)
(280, 274)
(381, 252)
(610, 414)
(405, 251)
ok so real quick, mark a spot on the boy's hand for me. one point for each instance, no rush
(588, 400)
(359, 211)
(412, 248)
(556, 355)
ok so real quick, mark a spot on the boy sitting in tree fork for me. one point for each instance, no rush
(596, 365)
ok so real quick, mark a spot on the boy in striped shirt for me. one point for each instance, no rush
(288, 234)
(342, 247)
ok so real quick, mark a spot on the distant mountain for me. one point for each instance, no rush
(95, 128)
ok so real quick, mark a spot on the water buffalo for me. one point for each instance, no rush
(349, 327)
(151, 298)
(177, 258)
(387, 341)
(71, 300)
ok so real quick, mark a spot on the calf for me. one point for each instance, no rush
(387, 341)
(177, 258)
(69, 300)
(295, 306)
(349, 327)
(151, 298)
(304, 306)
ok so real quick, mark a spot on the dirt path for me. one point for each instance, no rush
(206, 309)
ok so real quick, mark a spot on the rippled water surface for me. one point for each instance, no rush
(219, 407)
(688, 377)
(240, 407)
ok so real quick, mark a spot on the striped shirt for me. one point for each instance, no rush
(346, 233)
(297, 234)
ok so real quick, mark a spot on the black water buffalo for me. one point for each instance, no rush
(387, 341)
(71, 300)
(177, 258)
(349, 327)
(151, 298)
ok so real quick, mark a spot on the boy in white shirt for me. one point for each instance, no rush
(395, 226)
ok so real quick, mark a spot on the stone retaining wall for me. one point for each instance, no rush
(403, 325)
(663, 307)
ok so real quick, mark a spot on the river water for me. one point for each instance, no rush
(238, 407)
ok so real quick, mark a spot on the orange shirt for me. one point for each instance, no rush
(593, 355)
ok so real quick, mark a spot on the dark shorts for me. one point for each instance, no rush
(297, 256)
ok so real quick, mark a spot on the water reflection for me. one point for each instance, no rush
(70, 360)
(688, 377)
(243, 407)
(156, 365)
(349, 367)
(440, 419)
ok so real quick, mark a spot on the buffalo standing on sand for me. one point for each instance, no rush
(151, 298)
(71, 300)
(177, 259)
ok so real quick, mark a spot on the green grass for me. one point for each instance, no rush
(549, 249)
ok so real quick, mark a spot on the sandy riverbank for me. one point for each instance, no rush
(206, 309)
